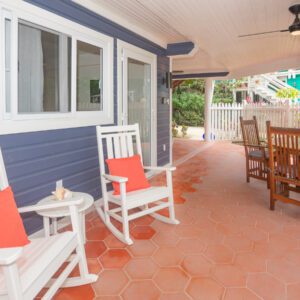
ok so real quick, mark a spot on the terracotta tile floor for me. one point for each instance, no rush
(228, 246)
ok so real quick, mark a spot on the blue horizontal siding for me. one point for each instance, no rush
(163, 112)
(36, 160)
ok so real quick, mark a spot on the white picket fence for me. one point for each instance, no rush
(225, 118)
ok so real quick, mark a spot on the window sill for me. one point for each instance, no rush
(22, 126)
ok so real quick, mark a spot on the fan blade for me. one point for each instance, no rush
(261, 33)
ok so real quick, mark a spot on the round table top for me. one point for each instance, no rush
(64, 211)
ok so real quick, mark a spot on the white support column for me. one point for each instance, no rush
(209, 91)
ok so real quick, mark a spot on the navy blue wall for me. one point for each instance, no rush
(163, 112)
(34, 161)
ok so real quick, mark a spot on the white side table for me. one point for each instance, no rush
(65, 212)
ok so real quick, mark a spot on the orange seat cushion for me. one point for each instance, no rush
(12, 232)
(131, 168)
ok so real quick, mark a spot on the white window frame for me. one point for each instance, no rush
(17, 123)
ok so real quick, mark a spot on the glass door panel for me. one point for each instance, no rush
(139, 102)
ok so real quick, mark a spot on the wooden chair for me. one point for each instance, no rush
(284, 151)
(24, 271)
(124, 141)
(257, 156)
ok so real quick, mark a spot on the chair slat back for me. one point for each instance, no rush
(120, 142)
(284, 151)
(250, 131)
(3, 175)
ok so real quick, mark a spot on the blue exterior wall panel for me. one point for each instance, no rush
(35, 161)
(163, 112)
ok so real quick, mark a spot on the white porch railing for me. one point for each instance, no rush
(225, 118)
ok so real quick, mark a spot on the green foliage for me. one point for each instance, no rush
(287, 93)
(188, 100)
(223, 91)
(188, 109)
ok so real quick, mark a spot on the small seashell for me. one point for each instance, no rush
(59, 193)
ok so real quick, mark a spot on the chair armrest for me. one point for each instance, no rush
(10, 255)
(117, 179)
(59, 204)
(171, 168)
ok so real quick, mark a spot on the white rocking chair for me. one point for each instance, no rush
(120, 142)
(24, 271)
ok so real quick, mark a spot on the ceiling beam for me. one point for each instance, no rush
(199, 75)
(180, 48)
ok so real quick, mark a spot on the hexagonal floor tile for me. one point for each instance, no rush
(141, 248)
(171, 279)
(142, 232)
(266, 286)
(201, 288)
(228, 228)
(196, 265)
(165, 238)
(240, 294)
(276, 247)
(238, 243)
(210, 236)
(159, 226)
(76, 293)
(168, 256)
(177, 296)
(293, 256)
(112, 242)
(219, 254)
(284, 270)
(187, 231)
(94, 267)
(205, 222)
(250, 262)
(108, 298)
(293, 291)
(115, 258)
(191, 246)
(141, 290)
(94, 249)
(230, 275)
(110, 283)
(98, 233)
(141, 268)
(254, 234)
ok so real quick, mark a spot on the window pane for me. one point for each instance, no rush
(44, 70)
(7, 63)
(89, 77)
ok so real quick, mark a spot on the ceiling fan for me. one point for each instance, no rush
(294, 29)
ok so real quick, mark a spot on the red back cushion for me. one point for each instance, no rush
(130, 167)
(12, 232)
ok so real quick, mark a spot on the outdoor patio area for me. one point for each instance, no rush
(229, 245)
